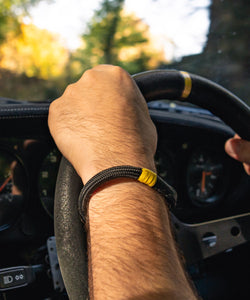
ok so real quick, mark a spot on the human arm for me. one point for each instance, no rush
(138, 257)
(239, 149)
(100, 122)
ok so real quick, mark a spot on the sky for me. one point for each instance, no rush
(177, 25)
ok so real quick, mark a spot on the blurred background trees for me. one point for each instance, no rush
(11, 13)
(115, 37)
(39, 66)
(27, 54)
(34, 52)
(226, 56)
(112, 36)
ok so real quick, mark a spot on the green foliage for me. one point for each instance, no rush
(10, 11)
(12, 5)
(34, 52)
(109, 38)
(101, 31)
(136, 65)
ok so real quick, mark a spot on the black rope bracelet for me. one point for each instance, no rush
(142, 175)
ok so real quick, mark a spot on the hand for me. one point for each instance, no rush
(240, 150)
(102, 121)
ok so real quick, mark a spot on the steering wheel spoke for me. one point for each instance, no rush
(202, 240)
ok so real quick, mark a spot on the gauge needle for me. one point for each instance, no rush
(203, 180)
(5, 183)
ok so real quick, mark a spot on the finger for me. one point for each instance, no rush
(247, 168)
(238, 149)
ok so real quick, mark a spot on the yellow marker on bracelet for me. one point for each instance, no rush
(148, 177)
(187, 85)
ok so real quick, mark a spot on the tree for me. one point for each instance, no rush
(34, 52)
(225, 57)
(114, 37)
(10, 11)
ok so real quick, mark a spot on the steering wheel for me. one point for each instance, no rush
(154, 85)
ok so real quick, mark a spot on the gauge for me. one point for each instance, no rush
(205, 177)
(47, 180)
(165, 166)
(13, 185)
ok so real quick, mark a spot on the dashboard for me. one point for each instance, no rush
(28, 177)
(190, 157)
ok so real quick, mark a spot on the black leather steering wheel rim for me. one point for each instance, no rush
(154, 85)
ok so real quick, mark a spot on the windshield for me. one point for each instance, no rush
(46, 44)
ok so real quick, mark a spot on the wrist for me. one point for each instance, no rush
(141, 175)
(91, 168)
(122, 197)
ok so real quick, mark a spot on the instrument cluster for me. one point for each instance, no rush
(204, 175)
(200, 175)
(13, 188)
(28, 172)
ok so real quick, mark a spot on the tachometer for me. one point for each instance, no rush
(13, 184)
(205, 177)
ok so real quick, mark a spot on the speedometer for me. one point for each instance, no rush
(205, 177)
(13, 185)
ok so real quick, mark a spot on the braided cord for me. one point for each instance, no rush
(143, 175)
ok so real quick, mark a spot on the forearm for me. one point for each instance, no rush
(105, 120)
(132, 253)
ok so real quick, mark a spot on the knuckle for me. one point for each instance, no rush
(69, 89)
(120, 72)
(52, 108)
(87, 77)
(88, 73)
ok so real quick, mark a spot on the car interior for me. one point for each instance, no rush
(43, 242)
